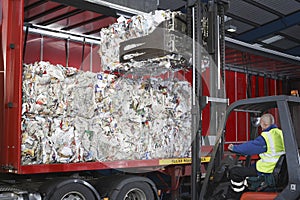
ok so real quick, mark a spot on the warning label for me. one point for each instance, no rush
(176, 161)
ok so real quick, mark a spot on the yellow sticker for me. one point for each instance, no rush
(205, 159)
(177, 161)
(174, 161)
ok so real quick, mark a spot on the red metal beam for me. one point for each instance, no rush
(11, 36)
(42, 14)
(46, 168)
(34, 5)
(84, 22)
(61, 17)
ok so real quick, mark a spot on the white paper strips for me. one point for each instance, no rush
(74, 116)
(125, 29)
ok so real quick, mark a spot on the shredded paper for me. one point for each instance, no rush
(74, 116)
(69, 115)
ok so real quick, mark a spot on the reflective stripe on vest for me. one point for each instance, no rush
(275, 148)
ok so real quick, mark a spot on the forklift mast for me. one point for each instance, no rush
(205, 25)
(205, 45)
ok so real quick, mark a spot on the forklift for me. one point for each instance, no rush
(206, 27)
(287, 171)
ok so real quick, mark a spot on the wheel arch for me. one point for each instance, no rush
(48, 188)
(113, 184)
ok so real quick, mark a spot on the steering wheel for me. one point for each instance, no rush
(239, 155)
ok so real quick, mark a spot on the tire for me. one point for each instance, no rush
(136, 191)
(73, 191)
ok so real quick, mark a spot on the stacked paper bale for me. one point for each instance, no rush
(73, 116)
(125, 29)
(69, 115)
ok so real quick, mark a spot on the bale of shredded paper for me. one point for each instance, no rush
(70, 115)
(126, 29)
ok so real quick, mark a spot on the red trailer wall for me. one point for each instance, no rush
(238, 129)
(43, 48)
(236, 88)
(11, 53)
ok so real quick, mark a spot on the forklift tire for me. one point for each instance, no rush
(136, 191)
(73, 191)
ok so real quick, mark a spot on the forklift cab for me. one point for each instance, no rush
(287, 108)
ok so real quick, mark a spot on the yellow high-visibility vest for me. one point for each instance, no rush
(275, 148)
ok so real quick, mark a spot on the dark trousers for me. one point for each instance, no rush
(238, 175)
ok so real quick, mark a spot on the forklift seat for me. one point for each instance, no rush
(259, 196)
(280, 175)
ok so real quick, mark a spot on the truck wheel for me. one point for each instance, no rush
(73, 191)
(136, 191)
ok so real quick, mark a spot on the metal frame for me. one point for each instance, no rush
(12, 37)
(269, 55)
(61, 17)
(236, 44)
(122, 164)
(84, 22)
(269, 28)
(78, 7)
(42, 14)
(56, 33)
(86, 5)
(253, 32)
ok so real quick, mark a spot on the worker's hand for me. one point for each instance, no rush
(230, 147)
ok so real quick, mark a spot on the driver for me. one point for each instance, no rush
(269, 145)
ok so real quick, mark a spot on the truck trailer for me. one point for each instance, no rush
(50, 147)
(45, 155)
